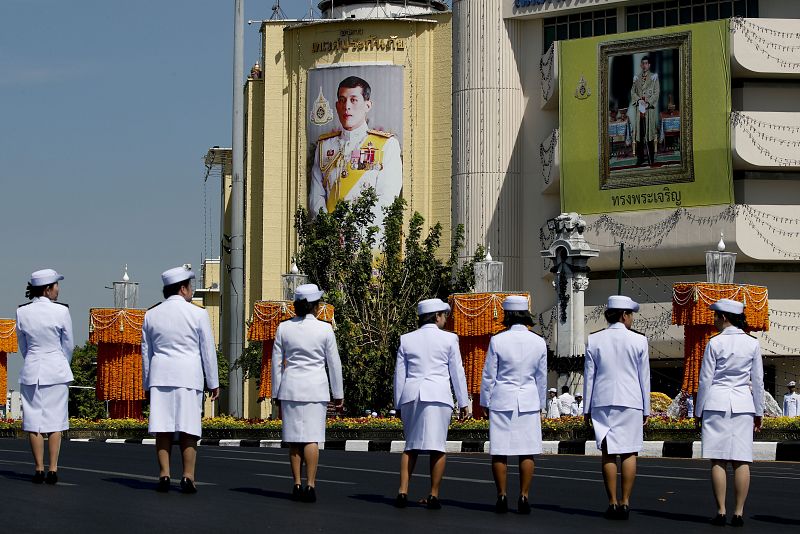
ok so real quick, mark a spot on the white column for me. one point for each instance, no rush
(488, 108)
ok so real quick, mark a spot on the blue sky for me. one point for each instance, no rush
(106, 110)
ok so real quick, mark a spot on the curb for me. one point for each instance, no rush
(788, 451)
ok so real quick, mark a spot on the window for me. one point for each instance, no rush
(586, 24)
(674, 12)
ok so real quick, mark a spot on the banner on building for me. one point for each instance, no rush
(355, 132)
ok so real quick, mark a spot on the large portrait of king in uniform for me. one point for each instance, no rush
(356, 138)
(646, 111)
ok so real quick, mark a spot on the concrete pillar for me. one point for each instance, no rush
(488, 108)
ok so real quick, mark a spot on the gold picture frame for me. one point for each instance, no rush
(621, 155)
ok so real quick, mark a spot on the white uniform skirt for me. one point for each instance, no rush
(727, 436)
(175, 410)
(303, 422)
(425, 425)
(620, 426)
(44, 408)
(513, 433)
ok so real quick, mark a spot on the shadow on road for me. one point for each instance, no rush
(132, 483)
(567, 510)
(375, 498)
(13, 475)
(261, 492)
(672, 516)
(776, 520)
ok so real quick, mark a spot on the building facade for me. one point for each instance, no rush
(555, 111)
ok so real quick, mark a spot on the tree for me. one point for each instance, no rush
(375, 292)
(83, 402)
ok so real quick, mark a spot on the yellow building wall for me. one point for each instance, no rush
(288, 54)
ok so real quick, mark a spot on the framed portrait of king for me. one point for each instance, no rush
(645, 114)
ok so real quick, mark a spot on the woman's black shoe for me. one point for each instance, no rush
(163, 484)
(401, 501)
(310, 495)
(51, 478)
(187, 486)
(612, 512)
(737, 521)
(623, 511)
(38, 477)
(297, 492)
(718, 520)
(523, 506)
(433, 503)
(501, 506)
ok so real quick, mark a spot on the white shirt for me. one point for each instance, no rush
(566, 400)
(515, 371)
(553, 408)
(790, 404)
(388, 182)
(303, 347)
(576, 408)
(617, 370)
(44, 336)
(178, 346)
(428, 361)
(731, 364)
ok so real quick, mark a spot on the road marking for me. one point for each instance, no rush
(112, 473)
(318, 480)
(13, 450)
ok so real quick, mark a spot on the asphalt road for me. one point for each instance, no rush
(109, 487)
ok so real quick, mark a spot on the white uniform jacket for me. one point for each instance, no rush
(617, 370)
(428, 360)
(303, 346)
(178, 346)
(44, 336)
(790, 405)
(515, 372)
(731, 364)
(576, 409)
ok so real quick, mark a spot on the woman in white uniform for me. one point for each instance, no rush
(44, 334)
(730, 403)
(179, 355)
(513, 390)
(303, 347)
(428, 361)
(617, 398)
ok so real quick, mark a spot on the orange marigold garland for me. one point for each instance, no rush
(475, 318)
(267, 315)
(690, 308)
(8, 343)
(118, 335)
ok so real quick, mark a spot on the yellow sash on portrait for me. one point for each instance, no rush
(339, 177)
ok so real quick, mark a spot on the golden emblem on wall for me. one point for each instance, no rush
(582, 92)
(322, 113)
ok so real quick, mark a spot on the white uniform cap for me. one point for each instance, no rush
(728, 306)
(308, 292)
(515, 303)
(621, 302)
(175, 275)
(552, 390)
(45, 277)
(791, 383)
(432, 306)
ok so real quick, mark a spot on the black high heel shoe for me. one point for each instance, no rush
(718, 520)
(401, 501)
(624, 512)
(38, 477)
(297, 492)
(501, 506)
(310, 495)
(51, 478)
(187, 486)
(433, 503)
(163, 484)
(523, 506)
(737, 521)
(612, 512)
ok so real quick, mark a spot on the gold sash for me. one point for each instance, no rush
(344, 171)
